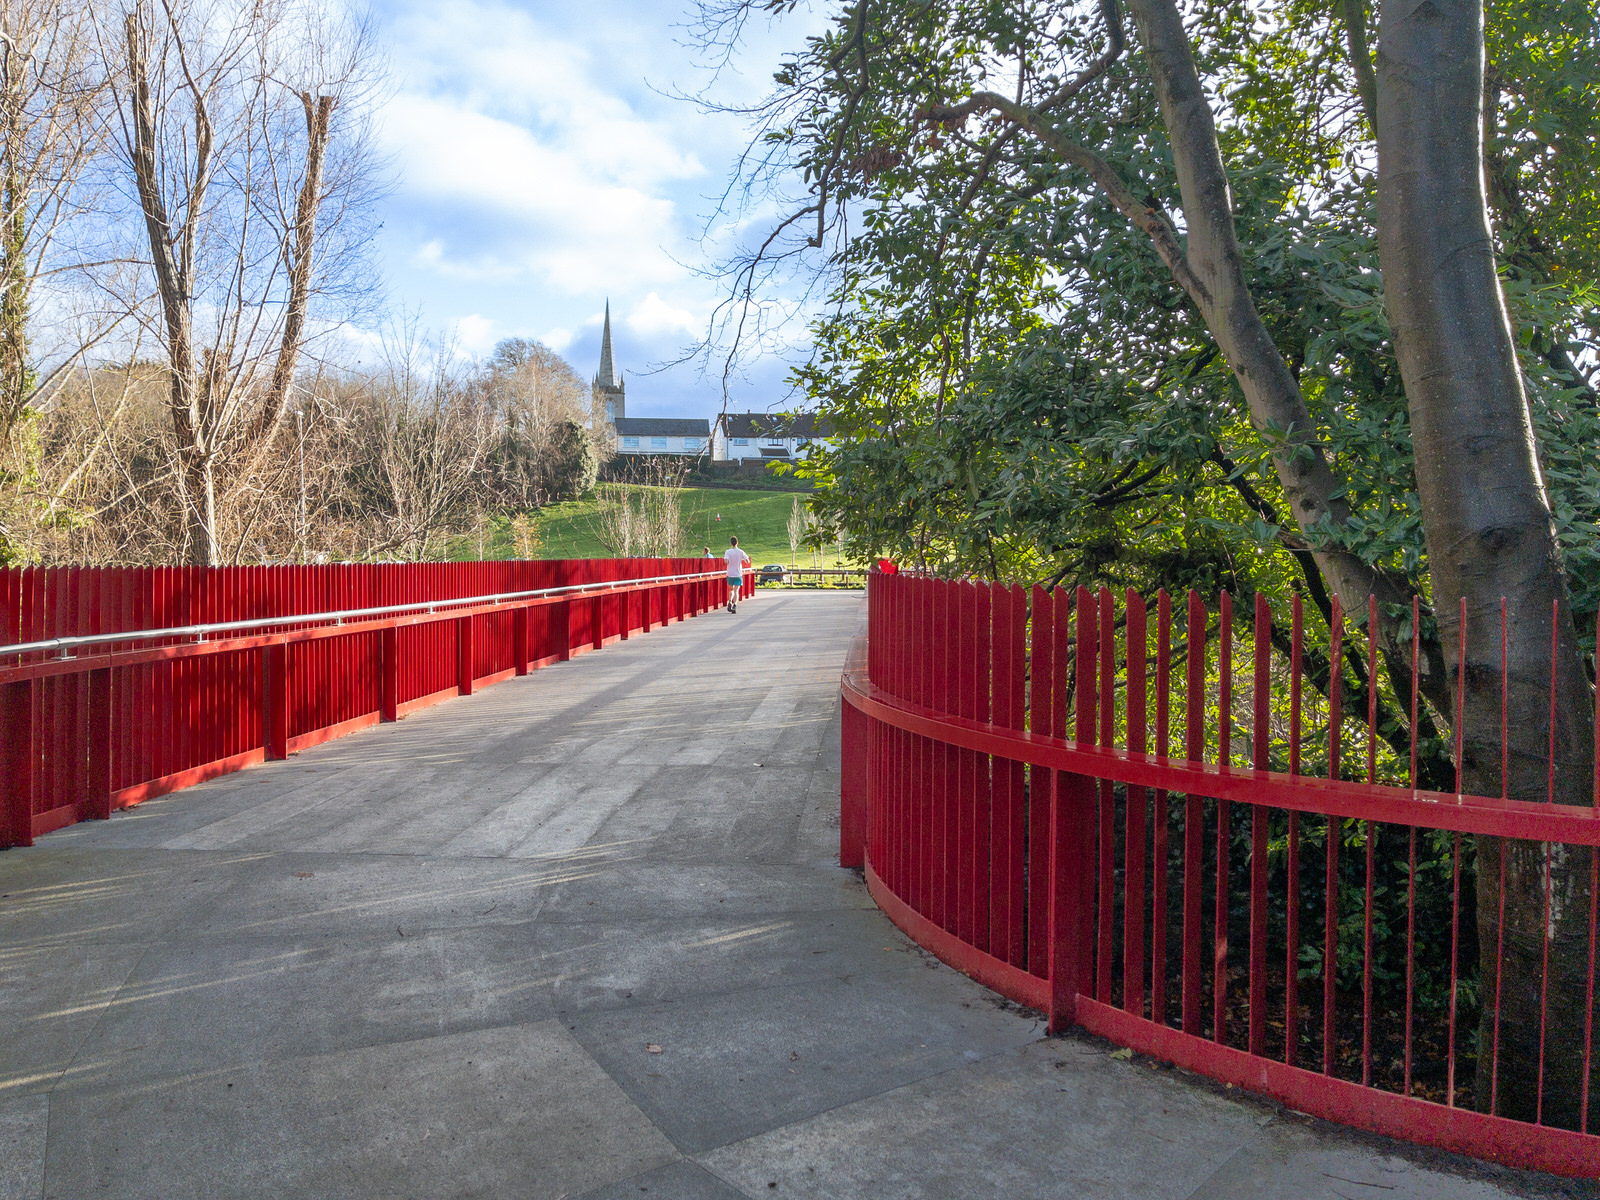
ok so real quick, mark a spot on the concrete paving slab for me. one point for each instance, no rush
(23, 1125)
(1044, 1120)
(51, 897)
(739, 1063)
(207, 1005)
(51, 999)
(291, 814)
(519, 1111)
(683, 1180)
(641, 890)
(313, 895)
(1296, 1156)
(597, 966)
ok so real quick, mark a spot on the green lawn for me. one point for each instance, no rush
(759, 520)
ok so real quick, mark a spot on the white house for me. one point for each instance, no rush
(661, 435)
(775, 436)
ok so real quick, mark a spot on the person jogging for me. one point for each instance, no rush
(737, 561)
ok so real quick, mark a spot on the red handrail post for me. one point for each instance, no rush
(519, 639)
(854, 761)
(390, 700)
(19, 756)
(1072, 816)
(464, 656)
(275, 700)
(97, 794)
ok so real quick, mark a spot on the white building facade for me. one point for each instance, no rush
(661, 435)
(772, 436)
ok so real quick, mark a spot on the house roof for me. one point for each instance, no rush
(662, 427)
(749, 425)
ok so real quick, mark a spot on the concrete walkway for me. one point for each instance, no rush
(579, 935)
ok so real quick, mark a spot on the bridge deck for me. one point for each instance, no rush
(579, 935)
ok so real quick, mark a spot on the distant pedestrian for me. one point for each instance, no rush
(737, 561)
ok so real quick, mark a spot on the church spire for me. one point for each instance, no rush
(610, 395)
(607, 378)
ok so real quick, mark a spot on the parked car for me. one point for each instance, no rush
(773, 573)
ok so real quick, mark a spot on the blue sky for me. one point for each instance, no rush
(539, 169)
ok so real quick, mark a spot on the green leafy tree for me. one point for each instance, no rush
(1109, 306)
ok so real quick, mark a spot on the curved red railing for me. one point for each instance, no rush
(214, 669)
(1003, 750)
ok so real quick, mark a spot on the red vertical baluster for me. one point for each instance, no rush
(1594, 920)
(1158, 837)
(1291, 968)
(1371, 842)
(1219, 944)
(1411, 845)
(1193, 847)
(1261, 759)
(1014, 814)
(1106, 872)
(928, 755)
(1330, 918)
(1041, 701)
(902, 674)
(1455, 864)
(1550, 798)
(1087, 710)
(963, 635)
(1133, 818)
(944, 647)
(984, 769)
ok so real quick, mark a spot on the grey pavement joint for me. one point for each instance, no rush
(579, 936)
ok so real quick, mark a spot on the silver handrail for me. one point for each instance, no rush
(200, 632)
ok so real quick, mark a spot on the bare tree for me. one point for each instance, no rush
(243, 132)
(647, 518)
(797, 529)
(51, 129)
(545, 449)
(415, 437)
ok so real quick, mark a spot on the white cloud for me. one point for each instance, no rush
(557, 339)
(519, 141)
(653, 317)
(475, 334)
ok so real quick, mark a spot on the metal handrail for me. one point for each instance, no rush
(201, 632)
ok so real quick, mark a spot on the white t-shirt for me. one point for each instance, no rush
(737, 559)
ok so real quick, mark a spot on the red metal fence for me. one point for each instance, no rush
(1060, 800)
(89, 728)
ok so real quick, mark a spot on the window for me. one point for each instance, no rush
(658, 443)
(692, 444)
(741, 441)
(772, 441)
(630, 443)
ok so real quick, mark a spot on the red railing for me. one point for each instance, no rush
(1062, 810)
(216, 669)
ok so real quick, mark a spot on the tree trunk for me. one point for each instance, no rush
(173, 272)
(1489, 534)
(1212, 272)
(299, 256)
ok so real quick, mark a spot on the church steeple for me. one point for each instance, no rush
(610, 394)
(607, 375)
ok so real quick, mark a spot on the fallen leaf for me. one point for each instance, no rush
(652, 1048)
(1122, 1055)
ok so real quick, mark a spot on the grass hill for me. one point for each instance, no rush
(759, 519)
